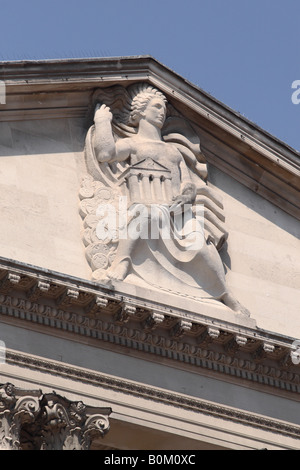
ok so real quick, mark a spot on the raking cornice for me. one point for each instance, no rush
(47, 89)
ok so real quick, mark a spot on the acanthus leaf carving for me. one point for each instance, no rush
(96, 427)
(49, 421)
(17, 408)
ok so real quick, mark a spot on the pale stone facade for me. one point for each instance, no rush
(179, 370)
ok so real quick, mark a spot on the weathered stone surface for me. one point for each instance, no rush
(31, 420)
(146, 157)
(40, 223)
(155, 355)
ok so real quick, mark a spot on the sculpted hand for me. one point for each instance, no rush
(180, 201)
(186, 197)
(102, 113)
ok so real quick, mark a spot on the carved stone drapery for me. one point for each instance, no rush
(31, 420)
(149, 216)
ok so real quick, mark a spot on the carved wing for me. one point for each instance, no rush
(100, 189)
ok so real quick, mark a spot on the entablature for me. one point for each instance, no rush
(45, 301)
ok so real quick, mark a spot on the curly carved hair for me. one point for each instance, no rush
(140, 95)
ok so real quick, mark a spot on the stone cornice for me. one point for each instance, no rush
(63, 88)
(153, 393)
(39, 299)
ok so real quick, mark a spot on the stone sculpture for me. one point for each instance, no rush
(150, 217)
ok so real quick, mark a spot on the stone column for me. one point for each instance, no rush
(17, 409)
(32, 420)
(71, 425)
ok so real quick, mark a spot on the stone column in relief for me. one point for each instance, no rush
(156, 190)
(167, 189)
(134, 189)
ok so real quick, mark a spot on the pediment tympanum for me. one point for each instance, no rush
(150, 218)
(257, 176)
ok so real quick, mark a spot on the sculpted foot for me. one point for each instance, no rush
(118, 271)
(235, 305)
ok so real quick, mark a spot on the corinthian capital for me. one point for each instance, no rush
(18, 408)
(37, 421)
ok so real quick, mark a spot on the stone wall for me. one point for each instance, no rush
(40, 176)
(262, 256)
(41, 165)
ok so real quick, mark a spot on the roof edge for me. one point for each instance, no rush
(19, 69)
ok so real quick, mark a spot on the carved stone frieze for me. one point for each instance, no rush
(97, 423)
(9, 281)
(95, 306)
(37, 290)
(207, 336)
(32, 420)
(153, 320)
(181, 328)
(144, 326)
(126, 311)
(235, 343)
(263, 350)
(68, 298)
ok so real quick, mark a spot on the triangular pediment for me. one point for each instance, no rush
(149, 164)
(147, 245)
(48, 114)
(63, 88)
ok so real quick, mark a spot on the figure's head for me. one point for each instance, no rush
(148, 103)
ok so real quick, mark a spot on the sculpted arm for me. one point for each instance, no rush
(106, 149)
(188, 189)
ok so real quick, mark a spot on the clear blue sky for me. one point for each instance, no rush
(243, 52)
